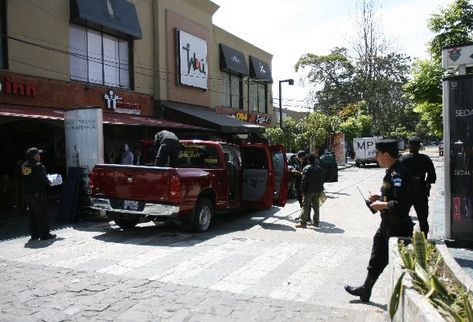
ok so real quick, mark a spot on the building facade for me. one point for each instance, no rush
(149, 64)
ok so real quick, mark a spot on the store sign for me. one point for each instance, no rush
(12, 87)
(193, 63)
(239, 116)
(116, 103)
(263, 119)
(457, 56)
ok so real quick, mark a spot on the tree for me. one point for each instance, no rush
(333, 79)
(453, 26)
(425, 91)
(314, 129)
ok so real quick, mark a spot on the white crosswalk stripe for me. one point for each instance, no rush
(246, 276)
(298, 287)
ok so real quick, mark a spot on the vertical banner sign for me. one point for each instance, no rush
(338, 147)
(193, 66)
(84, 137)
(460, 109)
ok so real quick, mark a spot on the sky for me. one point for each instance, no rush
(289, 29)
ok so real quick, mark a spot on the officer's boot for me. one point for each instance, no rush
(363, 291)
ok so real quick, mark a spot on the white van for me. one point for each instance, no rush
(365, 150)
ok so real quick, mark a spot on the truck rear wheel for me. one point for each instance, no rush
(203, 215)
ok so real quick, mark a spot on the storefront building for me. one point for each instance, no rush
(149, 65)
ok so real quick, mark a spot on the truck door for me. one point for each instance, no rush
(280, 175)
(258, 180)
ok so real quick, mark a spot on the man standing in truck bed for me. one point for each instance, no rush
(168, 150)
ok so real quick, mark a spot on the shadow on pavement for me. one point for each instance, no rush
(36, 244)
(384, 307)
(171, 234)
(328, 228)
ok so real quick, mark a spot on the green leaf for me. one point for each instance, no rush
(423, 276)
(420, 248)
(396, 296)
(468, 308)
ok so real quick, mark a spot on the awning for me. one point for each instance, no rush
(233, 61)
(260, 70)
(108, 118)
(128, 119)
(31, 112)
(202, 116)
(114, 15)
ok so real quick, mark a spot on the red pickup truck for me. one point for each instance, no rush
(211, 177)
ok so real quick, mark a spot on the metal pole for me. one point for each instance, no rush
(280, 106)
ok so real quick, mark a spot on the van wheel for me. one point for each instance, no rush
(203, 215)
(125, 223)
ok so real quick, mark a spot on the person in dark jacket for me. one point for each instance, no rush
(168, 151)
(393, 204)
(312, 184)
(297, 172)
(418, 166)
(34, 183)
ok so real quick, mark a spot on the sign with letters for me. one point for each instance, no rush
(460, 113)
(193, 61)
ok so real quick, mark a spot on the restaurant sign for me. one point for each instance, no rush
(119, 105)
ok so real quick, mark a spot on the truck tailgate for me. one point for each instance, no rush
(127, 182)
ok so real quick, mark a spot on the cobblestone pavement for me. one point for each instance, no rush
(250, 267)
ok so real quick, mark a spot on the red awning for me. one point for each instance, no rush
(130, 119)
(31, 112)
(108, 118)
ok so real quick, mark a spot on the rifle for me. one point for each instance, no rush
(367, 202)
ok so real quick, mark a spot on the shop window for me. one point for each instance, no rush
(99, 58)
(231, 90)
(257, 99)
(3, 41)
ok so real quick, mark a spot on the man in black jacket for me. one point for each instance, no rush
(34, 183)
(419, 165)
(312, 184)
(168, 151)
(393, 204)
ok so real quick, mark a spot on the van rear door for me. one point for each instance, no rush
(258, 179)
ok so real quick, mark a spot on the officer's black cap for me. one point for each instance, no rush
(414, 140)
(301, 153)
(387, 145)
(32, 151)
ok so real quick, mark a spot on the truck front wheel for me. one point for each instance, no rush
(203, 215)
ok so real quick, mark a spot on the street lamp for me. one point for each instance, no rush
(291, 82)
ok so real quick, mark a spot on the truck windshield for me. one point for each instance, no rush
(198, 156)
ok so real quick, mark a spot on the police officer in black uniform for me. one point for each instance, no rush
(419, 165)
(34, 183)
(393, 204)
